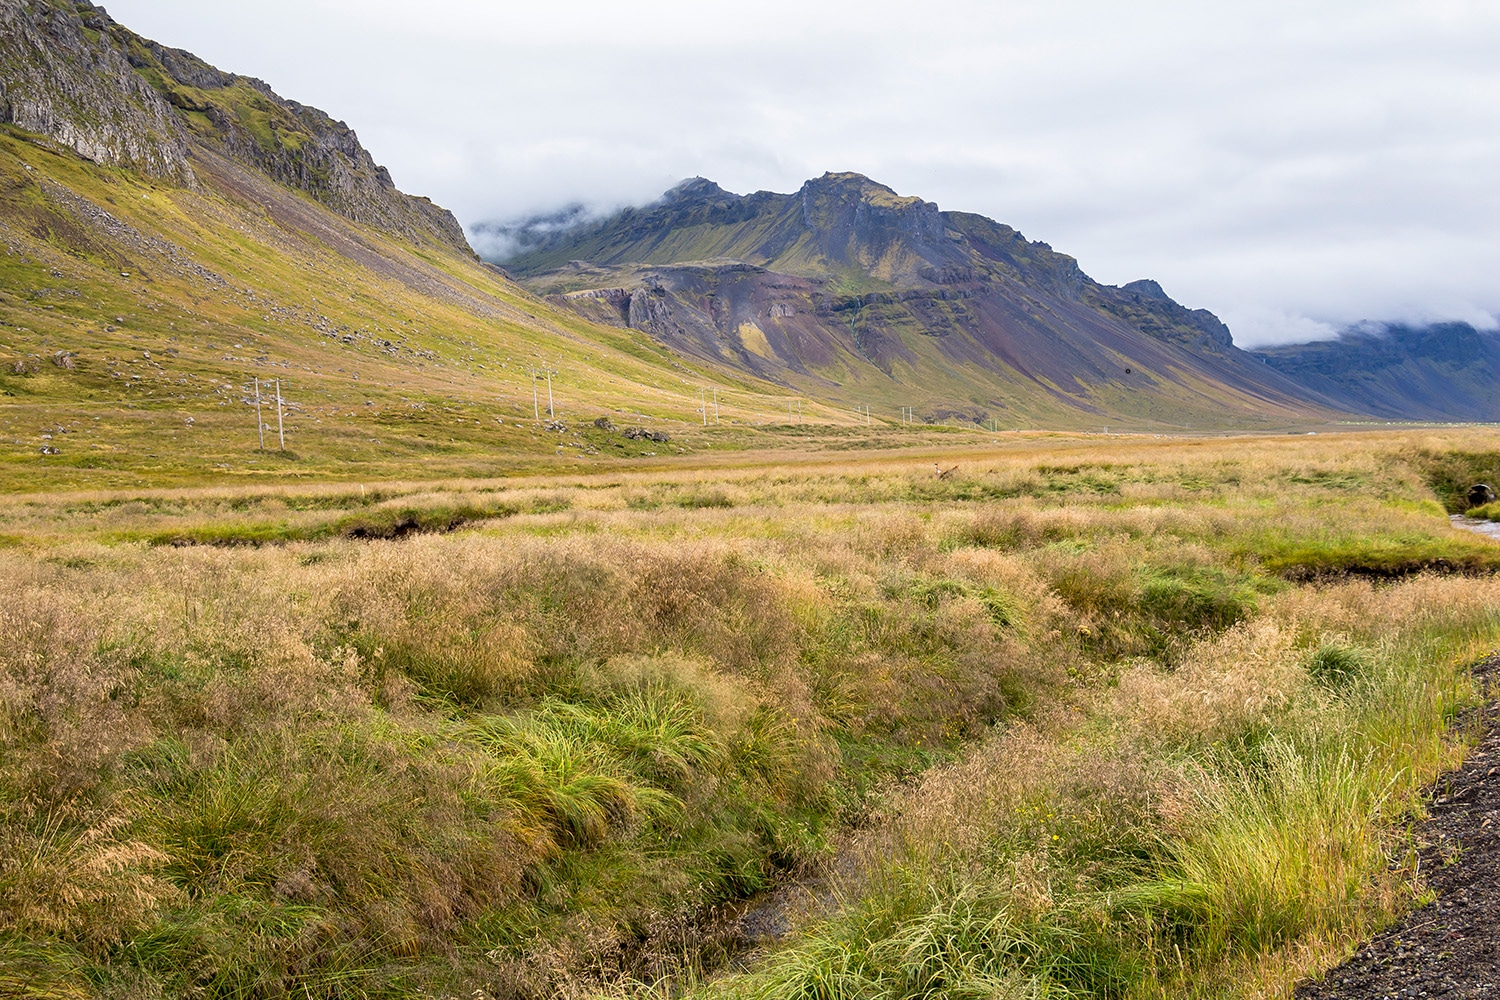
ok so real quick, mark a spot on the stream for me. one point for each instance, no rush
(1489, 529)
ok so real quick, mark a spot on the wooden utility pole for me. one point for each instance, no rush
(551, 413)
(260, 426)
(536, 406)
(716, 404)
(280, 430)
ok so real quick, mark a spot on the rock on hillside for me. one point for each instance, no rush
(71, 73)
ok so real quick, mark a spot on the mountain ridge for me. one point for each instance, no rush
(1438, 371)
(879, 277)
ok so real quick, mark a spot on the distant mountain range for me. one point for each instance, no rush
(845, 288)
(1443, 371)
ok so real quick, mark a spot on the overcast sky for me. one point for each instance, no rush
(1292, 166)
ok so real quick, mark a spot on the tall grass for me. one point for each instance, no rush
(1062, 741)
(1215, 829)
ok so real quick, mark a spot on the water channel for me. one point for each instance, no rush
(1490, 529)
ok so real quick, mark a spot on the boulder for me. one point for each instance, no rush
(604, 424)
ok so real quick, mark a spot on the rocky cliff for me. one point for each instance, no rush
(71, 73)
(63, 76)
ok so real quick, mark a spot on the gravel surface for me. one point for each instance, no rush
(1451, 947)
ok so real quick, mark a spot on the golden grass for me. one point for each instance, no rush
(531, 755)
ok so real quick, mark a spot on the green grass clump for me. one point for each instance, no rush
(1488, 512)
(704, 501)
(1337, 664)
(1376, 555)
(1153, 609)
(1001, 609)
(384, 522)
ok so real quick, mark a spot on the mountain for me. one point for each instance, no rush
(70, 72)
(1442, 371)
(848, 290)
(169, 233)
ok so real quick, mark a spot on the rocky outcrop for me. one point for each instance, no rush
(1146, 306)
(73, 74)
(610, 306)
(62, 76)
(294, 144)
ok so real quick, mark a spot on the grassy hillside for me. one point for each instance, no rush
(137, 313)
(250, 749)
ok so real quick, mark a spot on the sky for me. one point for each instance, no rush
(1293, 165)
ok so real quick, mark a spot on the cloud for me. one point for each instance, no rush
(1292, 166)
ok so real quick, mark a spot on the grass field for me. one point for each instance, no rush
(1089, 717)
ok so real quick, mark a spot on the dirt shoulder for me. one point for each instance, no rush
(1451, 947)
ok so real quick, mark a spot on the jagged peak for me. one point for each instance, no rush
(848, 185)
(72, 73)
(1146, 288)
(695, 189)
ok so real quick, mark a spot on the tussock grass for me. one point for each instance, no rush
(1488, 512)
(1210, 830)
(1063, 741)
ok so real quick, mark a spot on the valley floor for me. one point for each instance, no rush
(1115, 717)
